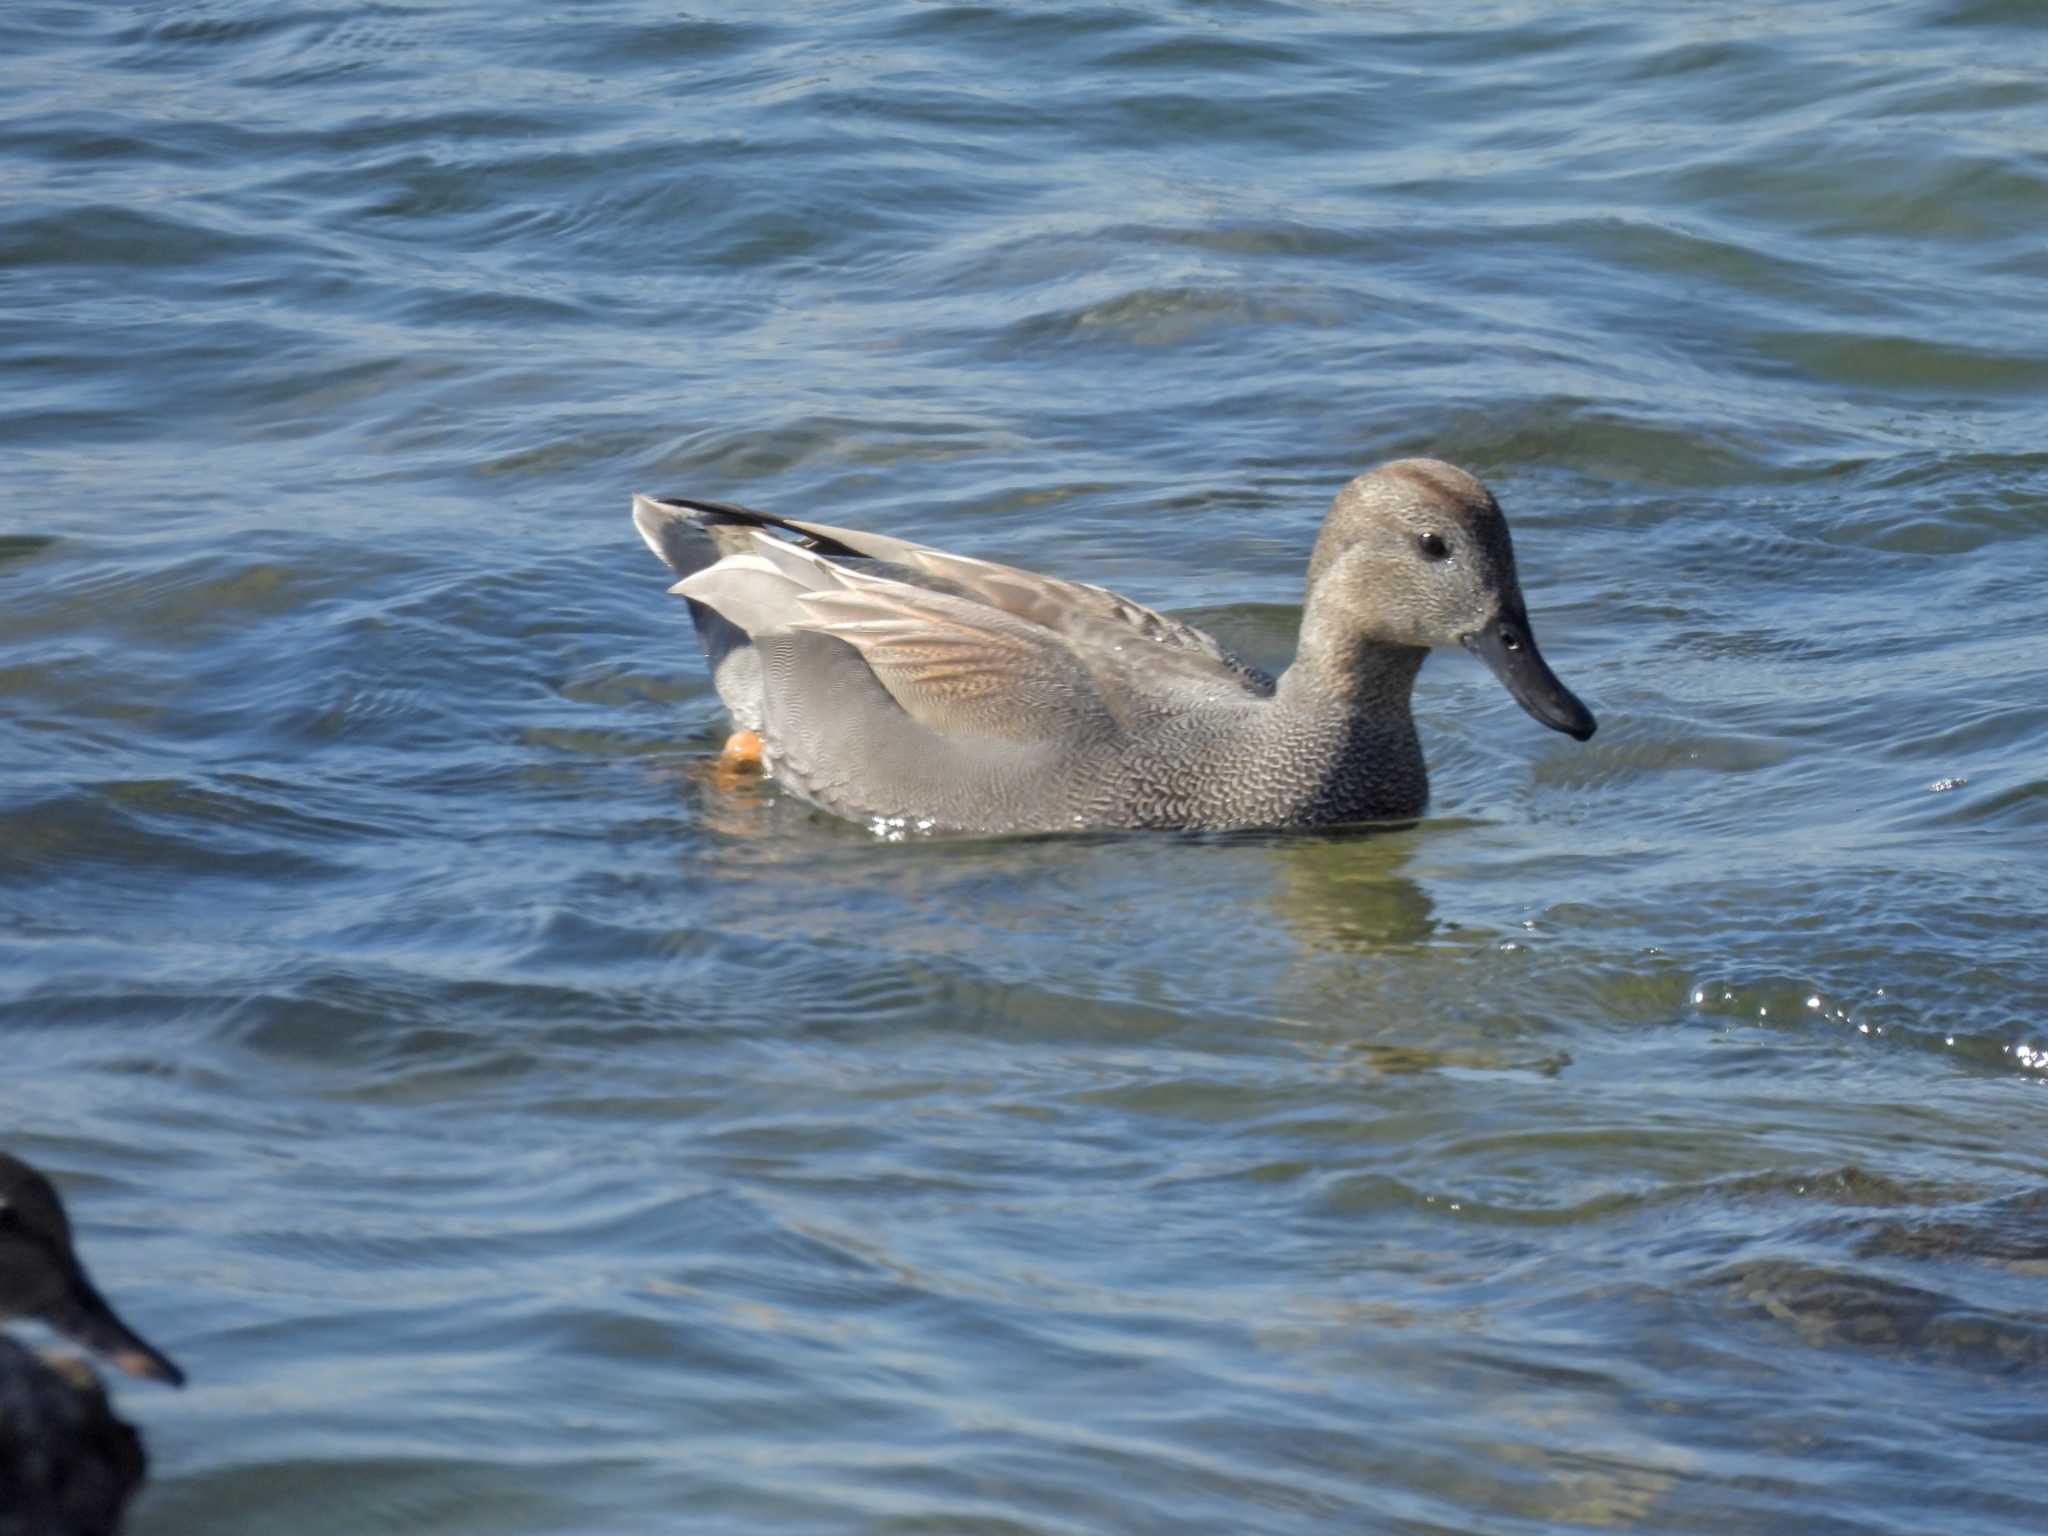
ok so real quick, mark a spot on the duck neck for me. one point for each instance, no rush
(1347, 710)
(1361, 677)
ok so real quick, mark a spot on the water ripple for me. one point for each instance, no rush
(518, 1125)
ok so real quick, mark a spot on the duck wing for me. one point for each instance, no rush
(877, 698)
(1135, 651)
(955, 666)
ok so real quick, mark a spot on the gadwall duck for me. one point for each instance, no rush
(910, 688)
(68, 1465)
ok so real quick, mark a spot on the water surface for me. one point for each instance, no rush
(514, 1128)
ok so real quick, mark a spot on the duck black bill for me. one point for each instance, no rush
(1507, 647)
(85, 1319)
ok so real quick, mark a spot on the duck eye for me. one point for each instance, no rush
(1434, 547)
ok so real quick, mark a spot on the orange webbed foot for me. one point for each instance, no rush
(742, 750)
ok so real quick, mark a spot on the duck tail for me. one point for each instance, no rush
(688, 533)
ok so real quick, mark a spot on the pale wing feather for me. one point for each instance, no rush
(1095, 618)
(752, 592)
(961, 667)
(758, 587)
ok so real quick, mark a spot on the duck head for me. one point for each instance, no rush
(41, 1277)
(1415, 555)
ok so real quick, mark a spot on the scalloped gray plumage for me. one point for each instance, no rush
(890, 681)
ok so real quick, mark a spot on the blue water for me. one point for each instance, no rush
(513, 1125)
